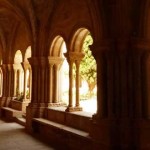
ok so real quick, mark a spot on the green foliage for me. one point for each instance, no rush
(88, 64)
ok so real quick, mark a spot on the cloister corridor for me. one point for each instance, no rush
(75, 73)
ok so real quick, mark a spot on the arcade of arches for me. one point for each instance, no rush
(38, 36)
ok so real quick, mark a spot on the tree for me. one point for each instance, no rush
(88, 65)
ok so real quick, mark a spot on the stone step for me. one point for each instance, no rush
(21, 121)
(60, 134)
(10, 114)
(24, 115)
(61, 127)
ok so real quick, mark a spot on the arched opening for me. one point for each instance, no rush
(83, 74)
(58, 72)
(18, 57)
(19, 76)
(27, 75)
(73, 78)
(88, 77)
(27, 54)
(64, 76)
(28, 84)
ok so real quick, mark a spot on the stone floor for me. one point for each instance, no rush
(14, 137)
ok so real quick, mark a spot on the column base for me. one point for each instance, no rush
(72, 109)
(33, 110)
(26, 100)
(2, 104)
(8, 101)
(2, 101)
(122, 133)
(78, 108)
(56, 104)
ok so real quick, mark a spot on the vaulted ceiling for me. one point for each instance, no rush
(38, 22)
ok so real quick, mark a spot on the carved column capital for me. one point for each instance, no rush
(25, 65)
(72, 56)
(55, 60)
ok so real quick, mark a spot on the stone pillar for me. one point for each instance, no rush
(54, 71)
(26, 67)
(25, 81)
(30, 82)
(50, 84)
(7, 93)
(77, 84)
(43, 77)
(56, 82)
(35, 67)
(74, 57)
(4, 86)
(25, 84)
(10, 83)
(36, 107)
(70, 105)
(77, 63)
(3, 97)
(104, 128)
(19, 80)
(100, 57)
(15, 81)
(122, 92)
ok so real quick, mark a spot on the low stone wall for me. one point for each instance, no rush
(19, 105)
(78, 120)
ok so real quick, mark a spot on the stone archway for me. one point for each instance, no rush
(56, 59)
(27, 74)
(75, 57)
(19, 74)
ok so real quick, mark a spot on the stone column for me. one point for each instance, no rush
(43, 83)
(138, 93)
(54, 68)
(10, 84)
(15, 74)
(100, 57)
(16, 78)
(56, 82)
(70, 105)
(25, 84)
(4, 86)
(26, 67)
(25, 81)
(77, 84)
(3, 97)
(78, 57)
(50, 84)
(102, 123)
(35, 67)
(74, 57)
(30, 82)
(36, 107)
(19, 80)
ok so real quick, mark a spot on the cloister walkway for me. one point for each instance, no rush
(14, 137)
